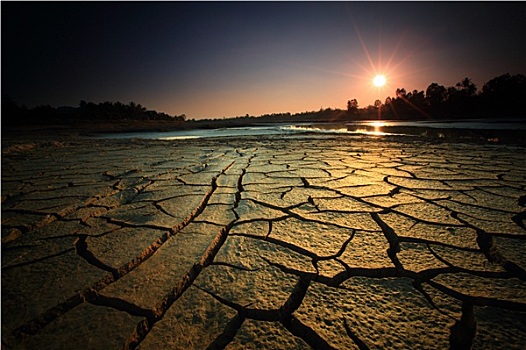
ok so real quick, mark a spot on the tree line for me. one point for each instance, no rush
(13, 114)
(501, 97)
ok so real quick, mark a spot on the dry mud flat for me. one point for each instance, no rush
(273, 243)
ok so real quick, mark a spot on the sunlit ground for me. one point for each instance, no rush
(277, 242)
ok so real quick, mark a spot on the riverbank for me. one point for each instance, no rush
(479, 132)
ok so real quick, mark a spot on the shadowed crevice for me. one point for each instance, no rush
(488, 246)
(242, 268)
(403, 239)
(360, 343)
(418, 286)
(123, 223)
(339, 278)
(228, 334)
(289, 213)
(392, 239)
(519, 219)
(463, 331)
(294, 300)
(290, 246)
(145, 326)
(456, 269)
(479, 301)
(32, 327)
(30, 262)
(284, 315)
(81, 248)
(308, 335)
(118, 304)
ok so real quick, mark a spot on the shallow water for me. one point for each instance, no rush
(272, 129)
(460, 124)
(357, 128)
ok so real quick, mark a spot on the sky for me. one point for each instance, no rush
(227, 59)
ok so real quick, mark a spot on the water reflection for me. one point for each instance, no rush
(356, 128)
(374, 128)
(371, 128)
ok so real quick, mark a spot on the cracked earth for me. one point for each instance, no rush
(275, 243)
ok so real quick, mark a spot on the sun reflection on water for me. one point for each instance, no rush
(374, 128)
(378, 124)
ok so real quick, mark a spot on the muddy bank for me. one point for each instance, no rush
(276, 242)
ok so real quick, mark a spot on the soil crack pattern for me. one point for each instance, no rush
(268, 243)
(81, 248)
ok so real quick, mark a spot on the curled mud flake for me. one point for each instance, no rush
(12, 235)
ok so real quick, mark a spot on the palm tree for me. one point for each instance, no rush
(467, 87)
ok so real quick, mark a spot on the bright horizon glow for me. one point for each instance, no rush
(266, 58)
(379, 80)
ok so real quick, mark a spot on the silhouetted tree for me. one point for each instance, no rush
(400, 92)
(417, 99)
(352, 106)
(460, 99)
(466, 87)
(504, 96)
(435, 97)
(399, 106)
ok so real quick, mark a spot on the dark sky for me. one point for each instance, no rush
(232, 58)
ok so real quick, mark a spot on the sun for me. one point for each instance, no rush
(379, 80)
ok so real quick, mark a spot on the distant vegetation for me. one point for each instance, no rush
(12, 114)
(501, 97)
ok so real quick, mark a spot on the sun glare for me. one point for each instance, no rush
(379, 81)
